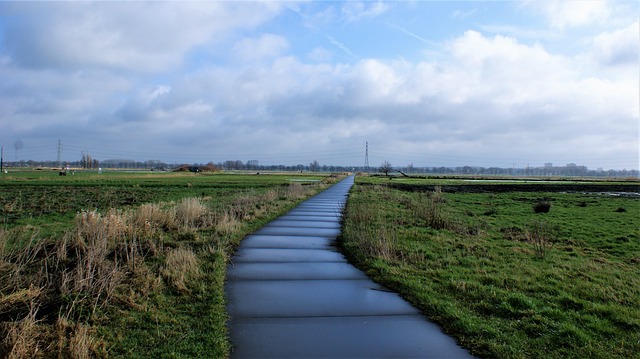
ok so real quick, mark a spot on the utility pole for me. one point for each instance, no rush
(59, 151)
(366, 157)
(1, 159)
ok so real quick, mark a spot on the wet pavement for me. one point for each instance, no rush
(291, 294)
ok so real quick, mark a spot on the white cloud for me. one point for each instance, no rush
(357, 10)
(320, 54)
(618, 47)
(141, 36)
(521, 32)
(563, 14)
(461, 14)
(493, 96)
(258, 49)
(143, 104)
(342, 47)
(266, 46)
(482, 100)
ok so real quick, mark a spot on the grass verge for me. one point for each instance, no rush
(506, 281)
(139, 280)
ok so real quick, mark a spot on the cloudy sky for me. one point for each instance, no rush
(428, 83)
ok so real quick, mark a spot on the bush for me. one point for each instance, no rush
(542, 206)
(541, 237)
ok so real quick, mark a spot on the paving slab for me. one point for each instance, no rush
(313, 298)
(300, 242)
(292, 294)
(400, 336)
(307, 216)
(294, 271)
(308, 223)
(270, 255)
(300, 231)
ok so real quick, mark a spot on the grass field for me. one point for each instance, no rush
(132, 265)
(506, 281)
(127, 265)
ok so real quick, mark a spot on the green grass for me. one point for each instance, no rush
(146, 317)
(483, 279)
(172, 325)
(46, 198)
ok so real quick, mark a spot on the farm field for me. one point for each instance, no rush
(127, 264)
(510, 269)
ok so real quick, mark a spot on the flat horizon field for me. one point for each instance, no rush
(474, 256)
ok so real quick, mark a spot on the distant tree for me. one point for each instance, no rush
(18, 145)
(314, 166)
(386, 167)
(252, 164)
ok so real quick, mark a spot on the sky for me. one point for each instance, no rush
(427, 83)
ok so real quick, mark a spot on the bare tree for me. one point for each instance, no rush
(314, 166)
(18, 145)
(386, 167)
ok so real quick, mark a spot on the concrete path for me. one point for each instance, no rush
(291, 294)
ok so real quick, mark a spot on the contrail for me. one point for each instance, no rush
(341, 46)
(412, 34)
(331, 39)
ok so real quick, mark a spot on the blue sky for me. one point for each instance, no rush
(428, 83)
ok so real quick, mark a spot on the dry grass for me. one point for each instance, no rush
(227, 224)
(245, 206)
(109, 259)
(297, 191)
(150, 218)
(22, 298)
(181, 268)
(103, 231)
(95, 275)
(373, 235)
(191, 212)
(22, 339)
(74, 340)
(431, 209)
(541, 237)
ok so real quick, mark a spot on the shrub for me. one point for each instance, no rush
(437, 196)
(431, 209)
(542, 206)
(541, 237)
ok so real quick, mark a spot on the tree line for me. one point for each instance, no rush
(570, 170)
